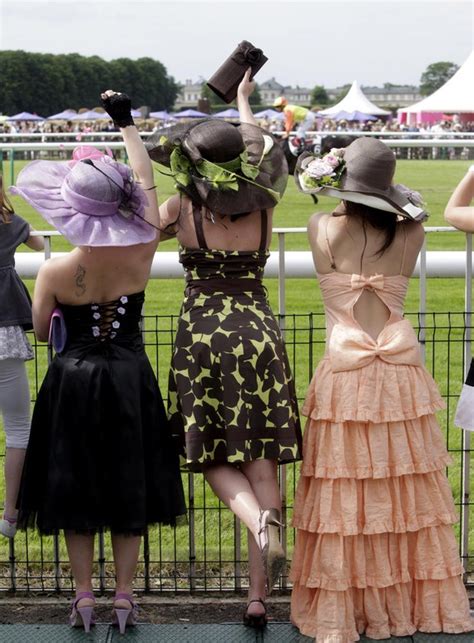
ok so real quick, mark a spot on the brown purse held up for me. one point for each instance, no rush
(227, 78)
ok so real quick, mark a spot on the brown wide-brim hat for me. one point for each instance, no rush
(250, 158)
(367, 179)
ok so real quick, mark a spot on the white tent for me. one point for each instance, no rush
(455, 96)
(355, 101)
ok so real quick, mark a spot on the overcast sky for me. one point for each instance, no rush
(309, 43)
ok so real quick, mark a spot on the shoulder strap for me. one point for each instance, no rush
(328, 245)
(402, 265)
(197, 217)
(264, 225)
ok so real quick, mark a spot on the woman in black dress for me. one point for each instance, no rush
(231, 393)
(101, 454)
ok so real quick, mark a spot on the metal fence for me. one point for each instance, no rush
(209, 553)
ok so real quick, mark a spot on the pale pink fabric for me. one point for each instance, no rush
(375, 550)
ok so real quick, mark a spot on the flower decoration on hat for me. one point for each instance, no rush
(324, 171)
(219, 176)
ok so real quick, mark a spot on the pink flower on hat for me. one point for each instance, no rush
(318, 168)
(87, 152)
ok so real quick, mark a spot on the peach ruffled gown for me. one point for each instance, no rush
(375, 550)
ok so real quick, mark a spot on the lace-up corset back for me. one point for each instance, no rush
(104, 322)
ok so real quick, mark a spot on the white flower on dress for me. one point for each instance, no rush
(121, 310)
(124, 299)
(95, 331)
(96, 315)
(115, 324)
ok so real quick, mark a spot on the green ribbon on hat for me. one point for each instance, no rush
(222, 176)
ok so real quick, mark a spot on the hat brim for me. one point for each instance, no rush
(39, 183)
(391, 200)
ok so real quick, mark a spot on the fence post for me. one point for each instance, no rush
(12, 167)
(422, 306)
(466, 438)
(192, 533)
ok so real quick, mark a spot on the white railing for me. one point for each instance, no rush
(33, 136)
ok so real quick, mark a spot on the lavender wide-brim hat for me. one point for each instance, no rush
(92, 202)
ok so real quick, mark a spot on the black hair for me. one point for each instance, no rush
(378, 219)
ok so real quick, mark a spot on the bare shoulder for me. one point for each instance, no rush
(415, 233)
(315, 220)
(48, 269)
(169, 210)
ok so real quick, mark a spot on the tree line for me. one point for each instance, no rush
(48, 83)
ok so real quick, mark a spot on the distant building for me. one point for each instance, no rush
(271, 89)
(386, 96)
(189, 95)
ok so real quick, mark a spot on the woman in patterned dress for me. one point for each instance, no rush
(231, 394)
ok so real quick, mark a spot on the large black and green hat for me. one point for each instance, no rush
(230, 169)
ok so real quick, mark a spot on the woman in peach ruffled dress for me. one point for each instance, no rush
(375, 549)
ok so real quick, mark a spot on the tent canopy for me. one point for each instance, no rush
(354, 101)
(90, 115)
(228, 113)
(62, 116)
(270, 113)
(456, 95)
(25, 116)
(162, 116)
(353, 116)
(190, 113)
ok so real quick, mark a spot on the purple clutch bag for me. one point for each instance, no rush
(57, 331)
(227, 78)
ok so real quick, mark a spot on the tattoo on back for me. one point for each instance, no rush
(80, 280)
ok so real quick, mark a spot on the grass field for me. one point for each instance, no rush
(305, 337)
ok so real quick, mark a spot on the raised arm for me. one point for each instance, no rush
(35, 242)
(244, 90)
(119, 106)
(459, 212)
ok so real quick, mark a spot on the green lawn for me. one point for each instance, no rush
(305, 340)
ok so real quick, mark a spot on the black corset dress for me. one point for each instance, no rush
(101, 454)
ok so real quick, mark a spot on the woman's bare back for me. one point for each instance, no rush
(341, 243)
(97, 275)
(220, 232)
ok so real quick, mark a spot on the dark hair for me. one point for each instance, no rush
(378, 219)
(6, 208)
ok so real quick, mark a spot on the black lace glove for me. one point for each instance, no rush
(119, 107)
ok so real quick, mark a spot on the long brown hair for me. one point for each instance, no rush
(378, 219)
(6, 208)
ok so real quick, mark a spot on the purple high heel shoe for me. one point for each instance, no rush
(82, 616)
(124, 616)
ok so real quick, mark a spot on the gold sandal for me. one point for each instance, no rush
(273, 556)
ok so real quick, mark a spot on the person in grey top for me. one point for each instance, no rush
(15, 349)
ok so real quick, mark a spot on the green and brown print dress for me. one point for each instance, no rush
(231, 393)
